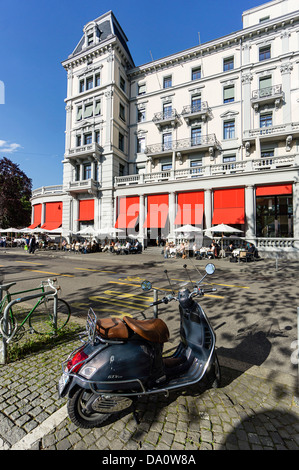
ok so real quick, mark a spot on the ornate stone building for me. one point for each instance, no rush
(205, 136)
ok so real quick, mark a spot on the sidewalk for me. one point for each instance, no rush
(249, 411)
(255, 408)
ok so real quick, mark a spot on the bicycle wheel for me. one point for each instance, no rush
(41, 319)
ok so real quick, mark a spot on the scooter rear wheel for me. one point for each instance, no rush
(83, 415)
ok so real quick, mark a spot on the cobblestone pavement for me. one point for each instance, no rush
(249, 411)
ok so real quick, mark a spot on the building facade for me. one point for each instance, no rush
(205, 136)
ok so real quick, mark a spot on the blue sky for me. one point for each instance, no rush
(37, 35)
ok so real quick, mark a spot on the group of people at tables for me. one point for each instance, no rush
(111, 246)
(185, 249)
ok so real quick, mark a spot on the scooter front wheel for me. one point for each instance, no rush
(87, 410)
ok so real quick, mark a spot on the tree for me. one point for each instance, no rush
(15, 194)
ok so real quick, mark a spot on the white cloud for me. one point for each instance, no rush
(6, 147)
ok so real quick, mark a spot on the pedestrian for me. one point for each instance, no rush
(32, 244)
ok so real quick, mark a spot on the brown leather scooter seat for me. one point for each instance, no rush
(112, 328)
(154, 330)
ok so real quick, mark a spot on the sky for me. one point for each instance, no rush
(37, 35)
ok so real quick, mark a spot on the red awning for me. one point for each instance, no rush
(51, 225)
(37, 216)
(157, 211)
(190, 208)
(128, 212)
(86, 210)
(34, 225)
(53, 214)
(234, 215)
(229, 206)
(274, 190)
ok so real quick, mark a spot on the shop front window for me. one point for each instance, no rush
(274, 216)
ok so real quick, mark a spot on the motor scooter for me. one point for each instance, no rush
(122, 359)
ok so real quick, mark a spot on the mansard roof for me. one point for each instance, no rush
(106, 27)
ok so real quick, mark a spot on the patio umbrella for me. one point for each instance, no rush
(112, 231)
(188, 228)
(222, 228)
(10, 230)
(89, 230)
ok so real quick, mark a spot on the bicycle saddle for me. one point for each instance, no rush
(7, 286)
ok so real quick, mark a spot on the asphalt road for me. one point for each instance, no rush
(253, 312)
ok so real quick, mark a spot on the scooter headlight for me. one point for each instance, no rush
(87, 371)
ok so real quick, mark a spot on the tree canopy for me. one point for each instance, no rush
(15, 194)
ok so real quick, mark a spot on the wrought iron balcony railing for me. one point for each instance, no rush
(204, 141)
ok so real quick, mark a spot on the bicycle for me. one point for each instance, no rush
(41, 317)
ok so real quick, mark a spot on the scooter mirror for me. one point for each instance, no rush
(210, 268)
(146, 285)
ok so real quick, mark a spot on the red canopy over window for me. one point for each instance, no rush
(53, 215)
(37, 216)
(229, 206)
(190, 208)
(274, 190)
(86, 210)
(157, 211)
(128, 212)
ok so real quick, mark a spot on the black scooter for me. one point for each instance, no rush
(122, 359)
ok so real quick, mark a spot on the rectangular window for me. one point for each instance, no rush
(97, 108)
(81, 86)
(121, 142)
(196, 167)
(264, 53)
(87, 139)
(121, 170)
(122, 83)
(166, 166)
(274, 216)
(140, 115)
(140, 144)
(88, 111)
(89, 83)
(195, 104)
(196, 136)
(167, 111)
(90, 39)
(77, 173)
(265, 84)
(228, 64)
(98, 80)
(167, 82)
(196, 73)
(229, 129)
(266, 120)
(87, 171)
(78, 140)
(141, 89)
(79, 113)
(97, 137)
(167, 141)
(229, 159)
(228, 94)
(122, 112)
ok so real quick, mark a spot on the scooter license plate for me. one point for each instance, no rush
(63, 381)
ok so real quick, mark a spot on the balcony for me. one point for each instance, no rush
(206, 171)
(196, 111)
(84, 150)
(205, 142)
(89, 186)
(269, 95)
(169, 117)
(287, 131)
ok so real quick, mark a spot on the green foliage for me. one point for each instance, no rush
(15, 194)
